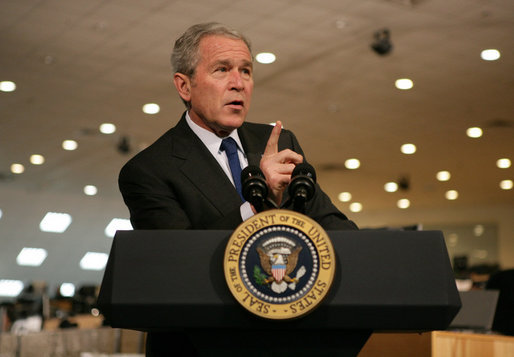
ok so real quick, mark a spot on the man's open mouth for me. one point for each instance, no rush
(237, 103)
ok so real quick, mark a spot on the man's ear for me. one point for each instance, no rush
(183, 85)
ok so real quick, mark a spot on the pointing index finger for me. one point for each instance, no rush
(272, 145)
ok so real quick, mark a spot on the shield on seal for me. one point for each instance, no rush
(278, 271)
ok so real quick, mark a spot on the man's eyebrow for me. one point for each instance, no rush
(229, 63)
(248, 63)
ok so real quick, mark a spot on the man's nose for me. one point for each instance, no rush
(236, 81)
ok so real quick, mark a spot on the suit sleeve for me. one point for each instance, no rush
(155, 204)
(320, 207)
(151, 203)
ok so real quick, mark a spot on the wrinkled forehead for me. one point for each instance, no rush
(218, 47)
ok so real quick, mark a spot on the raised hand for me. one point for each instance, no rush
(277, 166)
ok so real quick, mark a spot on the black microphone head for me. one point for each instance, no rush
(254, 185)
(251, 171)
(304, 169)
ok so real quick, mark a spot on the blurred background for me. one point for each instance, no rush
(404, 108)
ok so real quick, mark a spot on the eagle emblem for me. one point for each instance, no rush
(278, 258)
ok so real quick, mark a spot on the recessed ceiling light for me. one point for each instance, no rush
(356, 207)
(93, 261)
(31, 256)
(503, 163)
(391, 187)
(490, 55)
(69, 145)
(474, 132)
(17, 168)
(345, 197)
(451, 195)
(10, 288)
(408, 149)
(7, 86)
(107, 128)
(443, 176)
(404, 83)
(37, 159)
(352, 164)
(90, 190)
(67, 289)
(117, 224)
(478, 230)
(403, 203)
(151, 108)
(265, 57)
(506, 185)
(55, 222)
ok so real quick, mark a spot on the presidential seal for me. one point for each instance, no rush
(279, 264)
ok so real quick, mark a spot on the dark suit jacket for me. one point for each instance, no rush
(176, 183)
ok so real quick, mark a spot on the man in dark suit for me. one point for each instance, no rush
(184, 179)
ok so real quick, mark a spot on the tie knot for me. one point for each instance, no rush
(229, 145)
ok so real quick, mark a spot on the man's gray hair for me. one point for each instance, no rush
(185, 56)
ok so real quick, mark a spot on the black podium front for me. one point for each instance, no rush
(385, 280)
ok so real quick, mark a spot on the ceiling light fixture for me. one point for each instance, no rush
(55, 222)
(408, 149)
(403, 203)
(404, 84)
(93, 261)
(10, 288)
(345, 197)
(451, 195)
(391, 187)
(490, 54)
(474, 132)
(7, 86)
(69, 145)
(107, 128)
(265, 57)
(67, 289)
(117, 224)
(37, 159)
(151, 108)
(17, 168)
(443, 176)
(352, 164)
(31, 257)
(90, 190)
(356, 207)
(503, 163)
(506, 185)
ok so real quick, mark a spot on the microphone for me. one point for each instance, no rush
(302, 186)
(254, 187)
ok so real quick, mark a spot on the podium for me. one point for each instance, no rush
(163, 280)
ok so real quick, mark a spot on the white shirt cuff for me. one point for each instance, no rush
(246, 211)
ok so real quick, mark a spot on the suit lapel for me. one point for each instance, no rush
(202, 169)
(253, 145)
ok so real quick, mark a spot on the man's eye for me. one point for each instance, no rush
(222, 69)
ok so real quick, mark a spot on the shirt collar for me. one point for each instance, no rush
(211, 140)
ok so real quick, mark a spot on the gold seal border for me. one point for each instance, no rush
(316, 235)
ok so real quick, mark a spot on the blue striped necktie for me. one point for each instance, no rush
(230, 147)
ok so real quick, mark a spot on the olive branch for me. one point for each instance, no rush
(259, 277)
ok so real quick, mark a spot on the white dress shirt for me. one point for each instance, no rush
(213, 143)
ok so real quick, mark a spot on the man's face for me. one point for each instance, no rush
(221, 88)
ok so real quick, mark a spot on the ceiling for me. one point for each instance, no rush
(77, 64)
